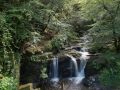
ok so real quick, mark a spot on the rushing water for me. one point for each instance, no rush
(55, 75)
(75, 64)
(78, 68)
(83, 60)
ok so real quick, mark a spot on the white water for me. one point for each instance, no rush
(78, 70)
(75, 64)
(55, 77)
(83, 61)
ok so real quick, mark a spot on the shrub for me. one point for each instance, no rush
(8, 83)
(110, 76)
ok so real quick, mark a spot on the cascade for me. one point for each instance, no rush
(77, 67)
(75, 64)
(79, 70)
(83, 60)
(55, 77)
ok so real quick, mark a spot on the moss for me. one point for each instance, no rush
(42, 57)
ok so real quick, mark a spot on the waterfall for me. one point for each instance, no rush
(75, 64)
(83, 60)
(77, 68)
(55, 77)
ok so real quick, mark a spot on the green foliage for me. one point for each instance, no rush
(15, 29)
(96, 65)
(48, 47)
(20, 20)
(105, 32)
(105, 14)
(39, 57)
(6, 51)
(110, 76)
(58, 42)
(63, 38)
(8, 83)
(43, 72)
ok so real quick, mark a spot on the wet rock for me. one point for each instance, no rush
(47, 56)
(72, 52)
(77, 48)
(28, 47)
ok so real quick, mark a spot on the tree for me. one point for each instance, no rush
(21, 19)
(105, 14)
(105, 32)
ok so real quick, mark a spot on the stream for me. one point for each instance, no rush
(73, 82)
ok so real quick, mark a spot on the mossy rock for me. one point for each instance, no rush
(42, 57)
(74, 53)
(34, 49)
